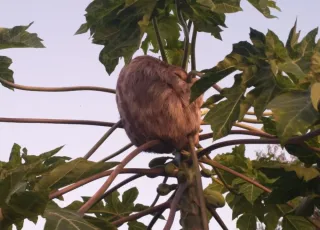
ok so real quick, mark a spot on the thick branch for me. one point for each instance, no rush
(195, 165)
(138, 215)
(113, 175)
(56, 89)
(102, 139)
(149, 172)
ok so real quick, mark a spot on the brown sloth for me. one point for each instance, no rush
(153, 102)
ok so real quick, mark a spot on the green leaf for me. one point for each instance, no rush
(262, 6)
(18, 37)
(71, 172)
(230, 6)
(25, 204)
(247, 222)
(129, 196)
(290, 222)
(212, 100)
(211, 77)
(303, 152)
(292, 40)
(100, 222)
(135, 225)
(15, 158)
(5, 72)
(169, 31)
(274, 213)
(293, 113)
(222, 116)
(204, 19)
(118, 26)
(269, 125)
(61, 219)
(315, 95)
(251, 192)
(83, 29)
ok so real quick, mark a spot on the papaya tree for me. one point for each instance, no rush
(274, 99)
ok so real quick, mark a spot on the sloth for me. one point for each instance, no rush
(153, 102)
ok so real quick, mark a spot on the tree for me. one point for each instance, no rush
(279, 81)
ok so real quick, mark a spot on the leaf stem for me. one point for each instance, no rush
(149, 172)
(217, 218)
(117, 152)
(56, 89)
(238, 132)
(138, 215)
(57, 121)
(114, 188)
(193, 48)
(215, 164)
(186, 35)
(165, 179)
(160, 44)
(173, 206)
(102, 139)
(154, 219)
(114, 174)
(253, 121)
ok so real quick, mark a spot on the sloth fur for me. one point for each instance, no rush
(153, 102)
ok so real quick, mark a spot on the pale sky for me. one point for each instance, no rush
(72, 60)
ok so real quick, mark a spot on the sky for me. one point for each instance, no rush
(70, 60)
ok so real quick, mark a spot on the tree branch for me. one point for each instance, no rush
(238, 132)
(117, 152)
(57, 121)
(102, 139)
(113, 175)
(56, 89)
(160, 44)
(264, 114)
(173, 206)
(253, 121)
(149, 172)
(138, 215)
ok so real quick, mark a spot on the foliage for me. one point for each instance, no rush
(280, 81)
(16, 37)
